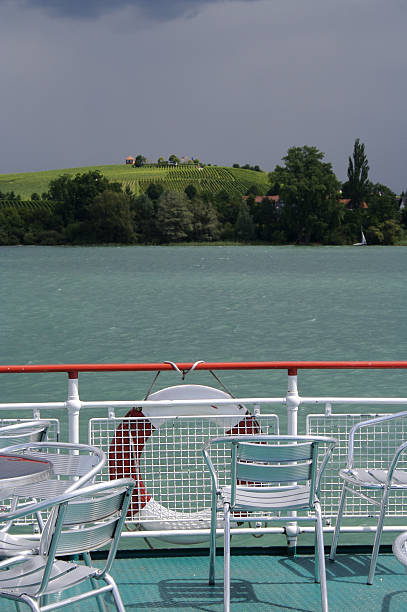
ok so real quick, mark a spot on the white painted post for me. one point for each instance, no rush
(292, 402)
(73, 405)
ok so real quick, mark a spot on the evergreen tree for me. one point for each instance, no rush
(205, 223)
(244, 226)
(190, 191)
(357, 186)
(145, 218)
(174, 217)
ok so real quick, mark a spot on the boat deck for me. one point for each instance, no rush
(260, 582)
(176, 580)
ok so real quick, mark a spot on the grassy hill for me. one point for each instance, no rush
(235, 181)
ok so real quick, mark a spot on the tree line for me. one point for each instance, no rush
(312, 207)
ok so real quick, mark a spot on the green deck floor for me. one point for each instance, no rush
(261, 582)
(170, 581)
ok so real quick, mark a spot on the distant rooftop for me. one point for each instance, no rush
(274, 198)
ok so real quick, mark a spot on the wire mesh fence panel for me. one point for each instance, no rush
(164, 456)
(374, 447)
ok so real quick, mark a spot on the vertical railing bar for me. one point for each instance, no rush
(73, 405)
(292, 401)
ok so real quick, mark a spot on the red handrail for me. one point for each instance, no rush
(292, 366)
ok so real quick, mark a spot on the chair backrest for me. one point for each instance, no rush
(26, 431)
(374, 442)
(274, 461)
(73, 466)
(86, 520)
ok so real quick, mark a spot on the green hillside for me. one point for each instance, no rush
(235, 181)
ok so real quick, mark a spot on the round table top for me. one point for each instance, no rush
(399, 548)
(19, 470)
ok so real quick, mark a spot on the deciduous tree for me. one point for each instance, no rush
(73, 194)
(382, 204)
(266, 216)
(110, 218)
(139, 161)
(309, 190)
(154, 190)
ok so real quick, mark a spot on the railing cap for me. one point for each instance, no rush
(291, 366)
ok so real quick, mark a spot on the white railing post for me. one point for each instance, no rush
(292, 403)
(73, 405)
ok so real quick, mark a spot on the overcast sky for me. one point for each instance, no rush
(86, 82)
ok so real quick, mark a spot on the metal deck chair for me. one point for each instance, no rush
(74, 465)
(269, 474)
(80, 521)
(25, 431)
(376, 454)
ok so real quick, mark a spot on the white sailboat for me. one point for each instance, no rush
(363, 242)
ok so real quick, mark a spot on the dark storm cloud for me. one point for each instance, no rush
(88, 82)
(155, 9)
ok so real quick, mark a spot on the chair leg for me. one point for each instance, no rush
(316, 555)
(30, 601)
(212, 544)
(338, 524)
(378, 537)
(115, 592)
(226, 560)
(321, 557)
(88, 561)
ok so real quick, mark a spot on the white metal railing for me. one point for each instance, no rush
(182, 508)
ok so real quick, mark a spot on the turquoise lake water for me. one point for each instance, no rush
(218, 303)
(150, 304)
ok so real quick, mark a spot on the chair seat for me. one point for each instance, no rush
(372, 478)
(27, 576)
(265, 498)
(16, 545)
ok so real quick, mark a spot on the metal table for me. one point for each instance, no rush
(400, 549)
(21, 470)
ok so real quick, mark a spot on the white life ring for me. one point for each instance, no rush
(132, 434)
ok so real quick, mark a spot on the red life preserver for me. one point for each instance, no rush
(129, 440)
